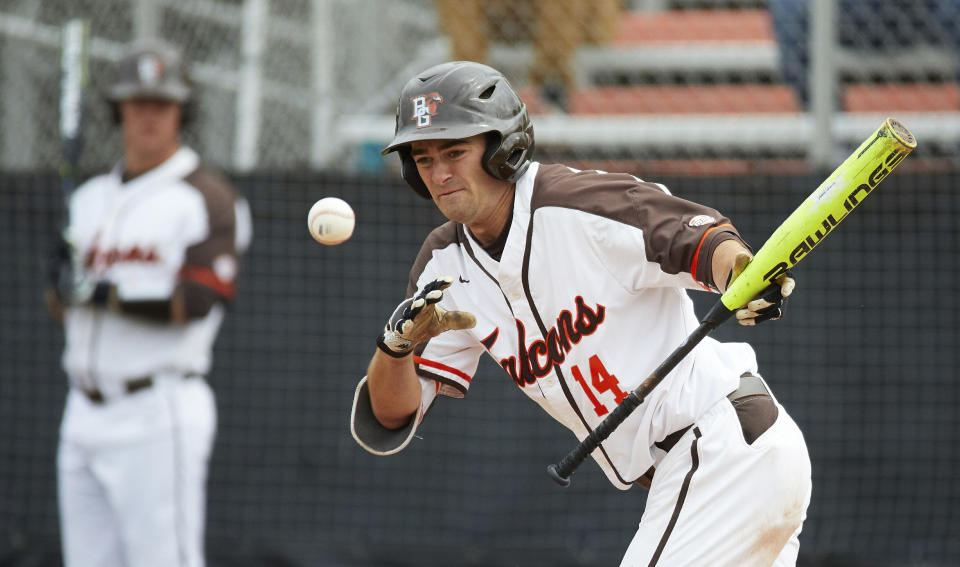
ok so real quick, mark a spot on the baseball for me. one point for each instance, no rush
(330, 221)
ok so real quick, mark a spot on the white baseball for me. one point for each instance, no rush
(330, 221)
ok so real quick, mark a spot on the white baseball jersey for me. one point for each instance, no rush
(174, 222)
(139, 423)
(586, 298)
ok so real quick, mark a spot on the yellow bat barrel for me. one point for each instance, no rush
(823, 210)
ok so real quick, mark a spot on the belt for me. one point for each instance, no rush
(755, 411)
(129, 387)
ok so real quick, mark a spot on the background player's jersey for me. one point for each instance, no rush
(177, 221)
(587, 298)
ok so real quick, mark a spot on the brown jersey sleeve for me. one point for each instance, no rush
(441, 237)
(210, 266)
(679, 235)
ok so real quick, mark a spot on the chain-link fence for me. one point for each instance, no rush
(641, 83)
(273, 76)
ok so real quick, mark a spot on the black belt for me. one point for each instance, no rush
(129, 387)
(755, 409)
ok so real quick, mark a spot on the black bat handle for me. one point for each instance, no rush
(560, 472)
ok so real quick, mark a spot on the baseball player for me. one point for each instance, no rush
(576, 282)
(154, 247)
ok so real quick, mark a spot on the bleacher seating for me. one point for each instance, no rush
(675, 99)
(714, 46)
(694, 26)
(673, 83)
(910, 97)
(726, 60)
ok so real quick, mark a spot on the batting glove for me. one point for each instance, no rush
(420, 318)
(770, 304)
(66, 275)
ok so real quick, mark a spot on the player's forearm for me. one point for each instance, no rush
(724, 260)
(394, 389)
(188, 302)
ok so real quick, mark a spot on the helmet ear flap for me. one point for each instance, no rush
(408, 170)
(506, 158)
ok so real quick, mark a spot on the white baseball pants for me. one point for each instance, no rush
(132, 476)
(717, 501)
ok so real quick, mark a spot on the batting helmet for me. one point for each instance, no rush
(151, 69)
(457, 100)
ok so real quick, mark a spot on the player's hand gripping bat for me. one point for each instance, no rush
(792, 241)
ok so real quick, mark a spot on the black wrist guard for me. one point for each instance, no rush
(383, 346)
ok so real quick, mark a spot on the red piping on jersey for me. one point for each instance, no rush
(207, 277)
(696, 254)
(424, 362)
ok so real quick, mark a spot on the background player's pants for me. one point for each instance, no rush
(132, 476)
(722, 502)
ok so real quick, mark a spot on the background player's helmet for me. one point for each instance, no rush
(457, 100)
(151, 69)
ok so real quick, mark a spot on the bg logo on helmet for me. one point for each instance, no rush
(149, 69)
(425, 108)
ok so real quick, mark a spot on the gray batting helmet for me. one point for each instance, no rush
(457, 100)
(151, 69)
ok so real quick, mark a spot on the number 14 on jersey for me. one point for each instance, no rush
(600, 381)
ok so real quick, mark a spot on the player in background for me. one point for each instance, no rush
(576, 282)
(154, 247)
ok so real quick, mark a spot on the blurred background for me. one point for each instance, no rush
(744, 105)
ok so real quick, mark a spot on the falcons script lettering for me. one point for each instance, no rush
(537, 360)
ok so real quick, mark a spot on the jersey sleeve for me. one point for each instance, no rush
(213, 261)
(451, 358)
(675, 237)
(655, 239)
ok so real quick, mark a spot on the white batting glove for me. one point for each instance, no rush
(420, 318)
(769, 305)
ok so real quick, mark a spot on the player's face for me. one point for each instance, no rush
(461, 188)
(150, 126)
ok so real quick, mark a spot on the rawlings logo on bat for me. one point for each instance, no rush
(829, 222)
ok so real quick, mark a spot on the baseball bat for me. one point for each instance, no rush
(74, 79)
(793, 240)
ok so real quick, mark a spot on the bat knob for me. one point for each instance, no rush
(554, 473)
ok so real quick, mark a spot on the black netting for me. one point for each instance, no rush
(865, 361)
